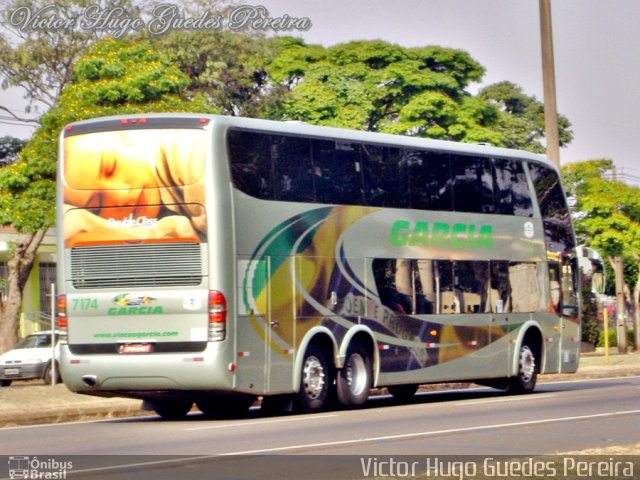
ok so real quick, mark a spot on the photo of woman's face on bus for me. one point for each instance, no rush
(134, 184)
(109, 172)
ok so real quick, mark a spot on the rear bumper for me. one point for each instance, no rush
(101, 374)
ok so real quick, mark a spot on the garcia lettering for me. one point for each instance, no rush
(441, 235)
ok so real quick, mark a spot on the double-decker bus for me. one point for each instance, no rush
(216, 260)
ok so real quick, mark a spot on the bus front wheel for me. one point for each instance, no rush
(354, 379)
(525, 380)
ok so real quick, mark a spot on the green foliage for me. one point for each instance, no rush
(608, 214)
(375, 85)
(521, 117)
(589, 315)
(613, 337)
(609, 211)
(226, 68)
(379, 86)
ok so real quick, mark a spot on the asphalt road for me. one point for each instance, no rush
(558, 417)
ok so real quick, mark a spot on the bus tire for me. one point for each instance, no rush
(316, 381)
(402, 393)
(172, 409)
(525, 380)
(354, 378)
(5, 383)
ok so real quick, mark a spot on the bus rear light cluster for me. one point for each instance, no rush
(61, 317)
(217, 316)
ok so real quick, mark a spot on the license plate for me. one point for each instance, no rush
(12, 371)
(136, 348)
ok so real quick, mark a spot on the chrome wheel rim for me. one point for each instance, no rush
(356, 374)
(313, 377)
(527, 363)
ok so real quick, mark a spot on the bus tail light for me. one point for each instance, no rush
(61, 317)
(217, 316)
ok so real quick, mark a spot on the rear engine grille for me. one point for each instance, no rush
(145, 265)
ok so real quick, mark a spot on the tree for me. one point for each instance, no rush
(41, 59)
(608, 219)
(227, 68)
(521, 119)
(378, 86)
(9, 149)
(114, 77)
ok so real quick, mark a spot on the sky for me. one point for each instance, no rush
(596, 49)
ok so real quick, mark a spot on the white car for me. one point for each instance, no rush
(29, 359)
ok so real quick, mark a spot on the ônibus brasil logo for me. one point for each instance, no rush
(24, 467)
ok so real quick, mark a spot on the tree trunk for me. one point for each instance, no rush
(621, 327)
(636, 309)
(19, 268)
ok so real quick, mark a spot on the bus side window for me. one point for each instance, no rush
(250, 155)
(526, 294)
(292, 169)
(472, 184)
(337, 170)
(429, 179)
(384, 183)
(554, 209)
(500, 292)
(472, 282)
(387, 275)
(512, 194)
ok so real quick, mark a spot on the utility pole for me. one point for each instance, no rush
(549, 84)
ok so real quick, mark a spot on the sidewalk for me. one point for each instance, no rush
(33, 403)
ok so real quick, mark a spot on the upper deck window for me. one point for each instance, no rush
(274, 166)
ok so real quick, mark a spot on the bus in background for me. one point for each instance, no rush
(214, 260)
(591, 266)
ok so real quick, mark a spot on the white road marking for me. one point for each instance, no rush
(305, 418)
(432, 433)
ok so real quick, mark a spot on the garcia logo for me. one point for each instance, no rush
(134, 304)
(133, 222)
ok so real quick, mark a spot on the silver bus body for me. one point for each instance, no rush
(251, 258)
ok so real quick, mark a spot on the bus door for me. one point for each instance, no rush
(265, 332)
(252, 330)
(569, 314)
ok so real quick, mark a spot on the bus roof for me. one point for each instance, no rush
(163, 120)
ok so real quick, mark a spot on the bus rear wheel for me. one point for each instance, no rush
(354, 379)
(316, 380)
(172, 409)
